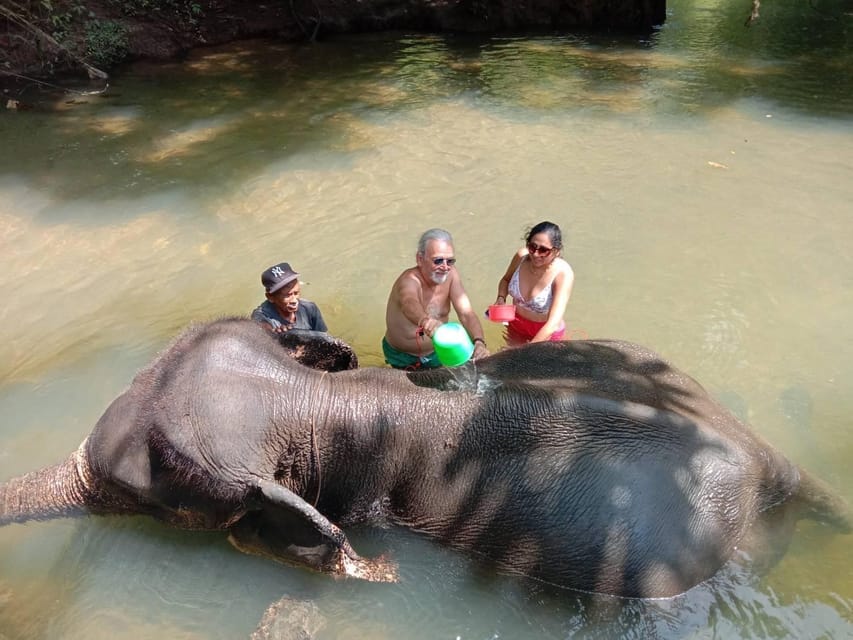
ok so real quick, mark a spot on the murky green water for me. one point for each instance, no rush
(702, 180)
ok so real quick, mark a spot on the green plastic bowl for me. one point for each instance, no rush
(452, 344)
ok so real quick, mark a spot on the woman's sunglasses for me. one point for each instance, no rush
(538, 249)
(440, 261)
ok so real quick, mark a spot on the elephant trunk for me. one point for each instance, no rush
(821, 503)
(57, 491)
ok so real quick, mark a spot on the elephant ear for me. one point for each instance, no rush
(318, 350)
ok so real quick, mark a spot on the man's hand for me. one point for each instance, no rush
(271, 324)
(429, 325)
(480, 349)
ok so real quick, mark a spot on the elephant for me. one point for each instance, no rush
(592, 465)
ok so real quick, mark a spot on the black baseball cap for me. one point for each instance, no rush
(278, 276)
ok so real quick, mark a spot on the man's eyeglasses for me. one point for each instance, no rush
(440, 261)
(538, 249)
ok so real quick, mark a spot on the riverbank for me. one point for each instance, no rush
(50, 39)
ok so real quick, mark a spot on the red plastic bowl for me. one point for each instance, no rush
(502, 312)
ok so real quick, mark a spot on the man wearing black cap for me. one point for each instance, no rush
(283, 309)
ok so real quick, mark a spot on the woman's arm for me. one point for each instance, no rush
(503, 283)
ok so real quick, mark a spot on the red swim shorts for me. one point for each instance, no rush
(522, 330)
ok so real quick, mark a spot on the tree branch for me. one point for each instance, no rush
(753, 16)
(33, 29)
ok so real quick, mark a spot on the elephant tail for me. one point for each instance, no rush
(820, 502)
(57, 491)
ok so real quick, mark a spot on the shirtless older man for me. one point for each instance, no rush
(420, 302)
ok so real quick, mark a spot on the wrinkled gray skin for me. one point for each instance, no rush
(590, 464)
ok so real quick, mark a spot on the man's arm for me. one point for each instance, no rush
(409, 295)
(272, 324)
(467, 316)
(317, 322)
(407, 312)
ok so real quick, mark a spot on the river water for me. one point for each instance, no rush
(702, 178)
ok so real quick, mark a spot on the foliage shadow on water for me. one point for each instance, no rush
(224, 116)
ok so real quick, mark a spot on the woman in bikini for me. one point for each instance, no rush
(539, 282)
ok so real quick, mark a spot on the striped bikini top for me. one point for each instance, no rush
(541, 303)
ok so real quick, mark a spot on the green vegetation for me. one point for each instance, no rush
(46, 36)
(61, 17)
(42, 35)
(106, 42)
(184, 10)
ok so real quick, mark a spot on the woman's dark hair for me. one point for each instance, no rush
(551, 229)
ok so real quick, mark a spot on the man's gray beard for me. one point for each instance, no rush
(439, 278)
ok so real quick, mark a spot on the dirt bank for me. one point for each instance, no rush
(45, 39)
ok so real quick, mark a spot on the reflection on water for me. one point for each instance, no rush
(701, 177)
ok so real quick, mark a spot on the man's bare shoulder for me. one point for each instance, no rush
(406, 282)
(455, 282)
(409, 278)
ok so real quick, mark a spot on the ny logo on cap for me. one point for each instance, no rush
(278, 272)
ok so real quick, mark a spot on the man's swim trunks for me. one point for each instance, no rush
(402, 360)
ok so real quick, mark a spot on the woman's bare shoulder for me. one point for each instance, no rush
(564, 267)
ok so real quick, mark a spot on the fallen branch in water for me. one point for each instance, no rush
(753, 16)
(43, 83)
(26, 25)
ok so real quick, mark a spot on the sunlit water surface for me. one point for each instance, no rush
(702, 177)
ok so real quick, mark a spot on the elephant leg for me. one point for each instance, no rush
(286, 528)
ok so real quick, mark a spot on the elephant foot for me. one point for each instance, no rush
(371, 569)
(289, 529)
(323, 558)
